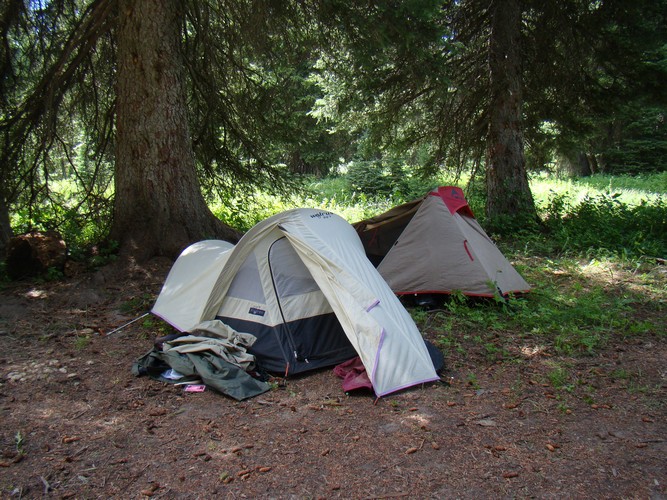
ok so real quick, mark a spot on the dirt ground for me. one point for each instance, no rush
(77, 424)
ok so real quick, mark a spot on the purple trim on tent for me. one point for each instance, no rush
(426, 381)
(377, 301)
(166, 321)
(377, 357)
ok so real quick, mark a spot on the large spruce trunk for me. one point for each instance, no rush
(5, 227)
(508, 194)
(159, 208)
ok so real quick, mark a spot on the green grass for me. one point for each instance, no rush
(19, 443)
(575, 308)
(137, 304)
(560, 377)
(632, 190)
(81, 342)
(597, 217)
(329, 194)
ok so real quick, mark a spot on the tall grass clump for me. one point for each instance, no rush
(364, 190)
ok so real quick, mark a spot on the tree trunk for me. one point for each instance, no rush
(508, 192)
(585, 164)
(159, 208)
(5, 227)
(575, 164)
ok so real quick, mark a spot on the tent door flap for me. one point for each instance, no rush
(312, 336)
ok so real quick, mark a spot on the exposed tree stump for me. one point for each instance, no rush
(32, 254)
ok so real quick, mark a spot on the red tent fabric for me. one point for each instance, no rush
(454, 199)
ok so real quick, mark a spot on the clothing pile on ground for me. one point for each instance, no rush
(212, 354)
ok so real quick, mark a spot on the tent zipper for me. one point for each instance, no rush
(288, 333)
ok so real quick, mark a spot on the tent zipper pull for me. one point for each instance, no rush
(299, 358)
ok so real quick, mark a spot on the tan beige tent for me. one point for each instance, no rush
(435, 245)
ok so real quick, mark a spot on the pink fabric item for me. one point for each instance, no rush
(353, 374)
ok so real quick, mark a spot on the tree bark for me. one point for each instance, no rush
(5, 226)
(575, 164)
(158, 207)
(508, 193)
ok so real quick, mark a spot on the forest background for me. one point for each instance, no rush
(136, 127)
(124, 123)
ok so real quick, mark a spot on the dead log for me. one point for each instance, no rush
(34, 253)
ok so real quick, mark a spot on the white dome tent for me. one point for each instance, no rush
(301, 283)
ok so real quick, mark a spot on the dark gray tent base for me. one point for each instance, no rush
(297, 346)
(274, 354)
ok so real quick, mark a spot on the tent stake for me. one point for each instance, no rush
(127, 324)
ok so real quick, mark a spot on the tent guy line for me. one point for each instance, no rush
(127, 324)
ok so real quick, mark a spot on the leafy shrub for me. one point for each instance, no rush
(83, 224)
(605, 225)
(376, 178)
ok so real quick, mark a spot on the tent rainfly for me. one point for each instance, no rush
(301, 283)
(435, 245)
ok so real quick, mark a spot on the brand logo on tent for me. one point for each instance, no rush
(321, 215)
(256, 311)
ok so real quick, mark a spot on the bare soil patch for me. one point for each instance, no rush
(77, 424)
